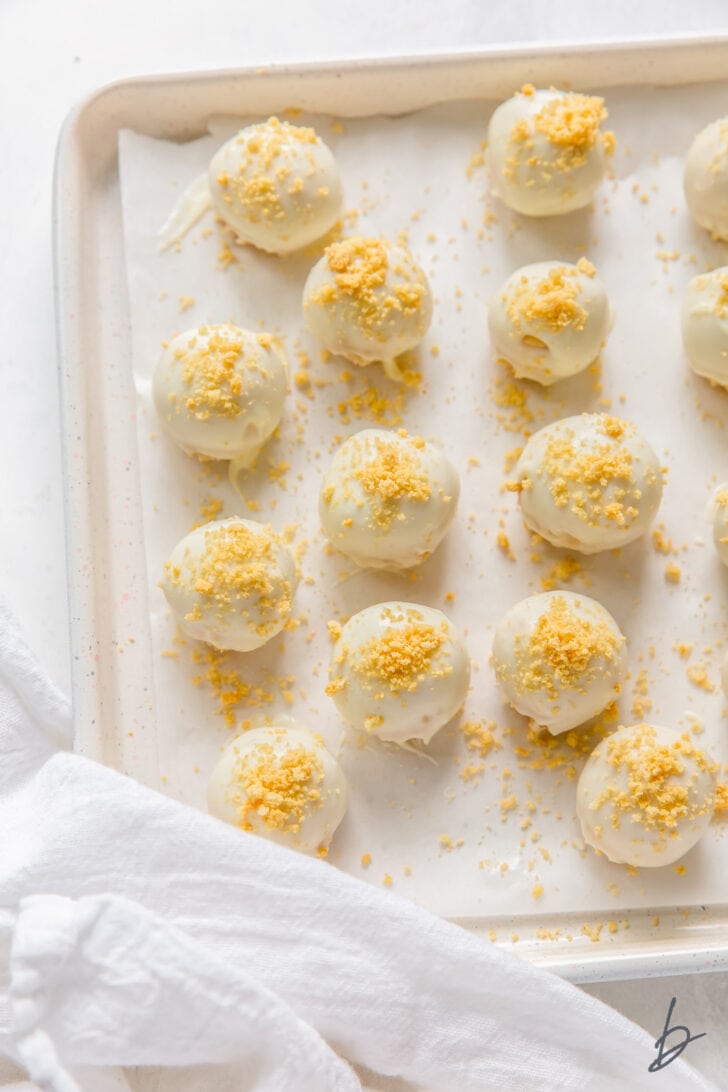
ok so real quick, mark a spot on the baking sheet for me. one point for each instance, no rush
(484, 846)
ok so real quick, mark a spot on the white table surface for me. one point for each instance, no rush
(51, 55)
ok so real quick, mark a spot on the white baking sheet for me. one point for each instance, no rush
(445, 842)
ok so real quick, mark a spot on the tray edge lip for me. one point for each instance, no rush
(374, 62)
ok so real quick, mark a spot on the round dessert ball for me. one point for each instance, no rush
(400, 671)
(277, 185)
(705, 325)
(646, 795)
(231, 583)
(549, 320)
(388, 498)
(720, 523)
(560, 658)
(589, 483)
(706, 178)
(547, 154)
(368, 300)
(219, 391)
(282, 784)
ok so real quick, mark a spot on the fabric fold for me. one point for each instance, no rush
(146, 933)
(103, 975)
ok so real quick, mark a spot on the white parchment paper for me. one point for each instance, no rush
(488, 844)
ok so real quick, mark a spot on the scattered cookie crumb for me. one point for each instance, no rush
(720, 808)
(698, 676)
(504, 545)
(447, 842)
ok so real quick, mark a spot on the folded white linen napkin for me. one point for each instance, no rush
(135, 931)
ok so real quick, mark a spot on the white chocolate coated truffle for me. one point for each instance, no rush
(282, 784)
(706, 178)
(368, 301)
(646, 795)
(589, 483)
(388, 499)
(550, 320)
(560, 658)
(231, 583)
(720, 523)
(219, 391)
(546, 152)
(705, 325)
(399, 671)
(277, 185)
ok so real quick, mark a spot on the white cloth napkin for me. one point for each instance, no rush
(135, 931)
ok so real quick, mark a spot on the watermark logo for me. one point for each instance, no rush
(666, 1054)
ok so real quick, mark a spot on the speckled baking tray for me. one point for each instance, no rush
(113, 663)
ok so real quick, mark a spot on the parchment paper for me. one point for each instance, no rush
(486, 845)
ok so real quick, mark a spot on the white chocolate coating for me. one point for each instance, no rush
(231, 583)
(387, 499)
(549, 320)
(367, 300)
(546, 153)
(720, 523)
(706, 178)
(219, 391)
(705, 325)
(646, 795)
(282, 784)
(560, 658)
(277, 185)
(589, 483)
(399, 671)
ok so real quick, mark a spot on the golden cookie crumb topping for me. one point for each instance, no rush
(237, 563)
(376, 287)
(210, 364)
(276, 789)
(565, 648)
(595, 480)
(570, 123)
(551, 303)
(266, 166)
(403, 656)
(393, 474)
(720, 809)
(406, 653)
(661, 778)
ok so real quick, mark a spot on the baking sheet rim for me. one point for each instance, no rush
(680, 946)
